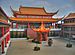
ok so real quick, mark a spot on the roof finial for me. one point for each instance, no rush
(11, 9)
(63, 17)
(57, 11)
(20, 5)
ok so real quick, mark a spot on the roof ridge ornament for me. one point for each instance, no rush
(11, 9)
(57, 11)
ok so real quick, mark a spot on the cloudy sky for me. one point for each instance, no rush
(65, 6)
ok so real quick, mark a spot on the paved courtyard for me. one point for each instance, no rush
(24, 47)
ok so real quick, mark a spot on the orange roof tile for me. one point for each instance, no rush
(33, 11)
(35, 19)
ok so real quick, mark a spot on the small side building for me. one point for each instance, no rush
(68, 29)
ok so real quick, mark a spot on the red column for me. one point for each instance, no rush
(46, 36)
(9, 33)
(2, 40)
(16, 25)
(11, 24)
(6, 39)
(5, 42)
(2, 46)
(8, 36)
(40, 37)
(28, 25)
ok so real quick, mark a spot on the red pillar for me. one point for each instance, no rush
(2, 40)
(9, 33)
(11, 24)
(28, 25)
(8, 36)
(40, 37)
(46, 36)
(5, 42)
(6, 39)
(16, 25)
(2, 46)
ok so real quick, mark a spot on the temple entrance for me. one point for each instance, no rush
(33, 20)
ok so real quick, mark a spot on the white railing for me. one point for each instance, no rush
(3, 37)
(55, 29)
(17, 29)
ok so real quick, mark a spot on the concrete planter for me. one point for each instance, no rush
(36, 48)
(69, 45)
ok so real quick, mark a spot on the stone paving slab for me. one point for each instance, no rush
(24, 47)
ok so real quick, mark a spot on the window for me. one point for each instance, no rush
(66, 35)
(21, 26)
(14, 25)
(66, 21)
(73, 28)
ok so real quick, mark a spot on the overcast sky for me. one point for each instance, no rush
(65, 6)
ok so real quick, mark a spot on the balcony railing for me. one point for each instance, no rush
(3, 37)
(55, 29)
(18, 29)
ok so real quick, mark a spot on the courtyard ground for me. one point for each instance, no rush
(25, 47)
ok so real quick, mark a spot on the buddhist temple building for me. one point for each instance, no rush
(28, 18)
(4, 31)
(68, 28)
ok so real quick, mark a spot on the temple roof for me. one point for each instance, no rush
(33, 11)
(2, 14)
(71, 15)
(35, 19)
(1, 10)
(3, 18)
